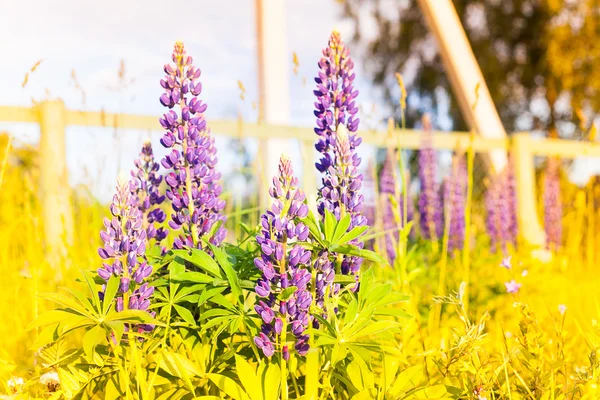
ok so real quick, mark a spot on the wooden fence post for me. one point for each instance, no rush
(529, 223)
(55, 192)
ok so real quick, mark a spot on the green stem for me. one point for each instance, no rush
(466, 255)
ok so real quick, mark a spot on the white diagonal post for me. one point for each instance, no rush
(477, 107)
(273, 81)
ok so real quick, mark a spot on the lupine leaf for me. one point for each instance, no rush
(185, 314)
(407, 380)
(201, 260)
(232, 277)
(247, 375)
(287, 293)
(353, 234)
(228, 386)
(341, 228)
(112, 286)
(355, 251)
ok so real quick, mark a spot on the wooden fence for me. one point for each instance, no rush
(53, 118)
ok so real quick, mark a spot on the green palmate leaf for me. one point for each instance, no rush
(201, 260)
(93, 290)
(329, 225)
(287, 293)
(351, 311)
(370, 328)
(228, 386)
(85, 302)
(132, 316)
(270, 376)
(360, 375)
(185, 314)
(68, 303)
(434, 392)
(177, 365)
(227, 267)
(192, 276)
(313, 226)
(118, 329)
(340, 229)
(207, 294)
(355, 251)
(344, 279)
(407, 380)
(353, 234)
(154, 255)
(50, 317)
(247, 375)
(46, 336)
(112, 286)
(91, 339)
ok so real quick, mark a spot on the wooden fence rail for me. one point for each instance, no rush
(53, 118)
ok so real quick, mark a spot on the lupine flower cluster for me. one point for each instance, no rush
(282, 269)
(124, 245)
(145, 185)
(430, 209)
(388, 187)
(335, 103)
(552, 205)
(501, 211)
(193, 187)
(455, 193)
(340, 195)
(336, 119)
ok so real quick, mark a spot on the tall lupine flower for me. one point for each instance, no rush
(387, 188)
(124, 244)
(336, 120)
(193, 186)
(145, 185)
(335, 103)
(455, 193)
(500, 212)
(552, 205)
(430, 208)
(341, 195)
(282, 269)
(512, 202)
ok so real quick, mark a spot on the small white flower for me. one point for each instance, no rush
(524, 273)
(51, 380)
(562, 309)
(16, 385)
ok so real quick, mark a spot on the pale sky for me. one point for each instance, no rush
(92, 37)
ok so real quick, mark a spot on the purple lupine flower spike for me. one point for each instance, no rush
(336, 111)
(341, 195)
(500, 204)
(124, 244)
(388, 186)
(335, 103)
(282, 269)
(552, 205)
(145, 185)
(192, 183)
(455, 193)
(429, 200)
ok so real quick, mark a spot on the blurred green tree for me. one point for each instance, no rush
(538, 58)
